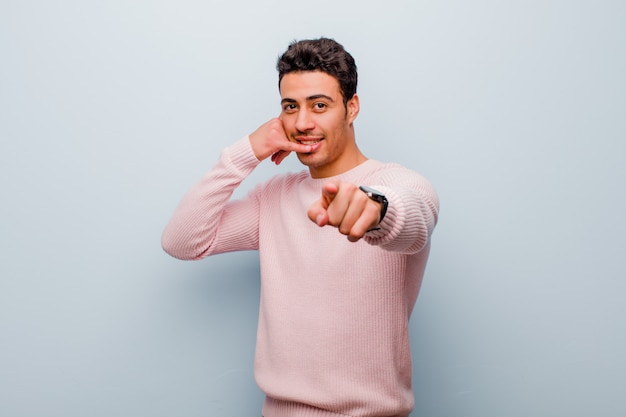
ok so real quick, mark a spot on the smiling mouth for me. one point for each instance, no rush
(308, 140)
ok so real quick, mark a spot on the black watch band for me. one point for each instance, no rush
(378, 197)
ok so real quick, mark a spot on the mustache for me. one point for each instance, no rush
(298, 134)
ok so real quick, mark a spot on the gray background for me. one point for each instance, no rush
(110, 110)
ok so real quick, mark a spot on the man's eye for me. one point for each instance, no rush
(289, 107)
(319, 106)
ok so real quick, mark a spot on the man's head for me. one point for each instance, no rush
(324, 55)
(317, 83)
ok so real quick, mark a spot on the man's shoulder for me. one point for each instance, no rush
(379, 169)
(387, 176)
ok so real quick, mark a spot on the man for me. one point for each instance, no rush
(343, 246)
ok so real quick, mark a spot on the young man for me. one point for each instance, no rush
(343, 246)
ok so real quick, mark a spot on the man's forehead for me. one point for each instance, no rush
(303, 85)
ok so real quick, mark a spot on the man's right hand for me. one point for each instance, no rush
(270, 139)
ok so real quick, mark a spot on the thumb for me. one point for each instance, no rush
(317, 212)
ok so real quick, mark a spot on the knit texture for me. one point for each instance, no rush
(333, 322)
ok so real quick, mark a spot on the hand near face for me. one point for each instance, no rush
(344, 206)
(270, 139)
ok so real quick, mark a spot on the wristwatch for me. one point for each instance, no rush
(378, 197)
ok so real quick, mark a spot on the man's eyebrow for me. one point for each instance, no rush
(318, 96)
(310, 98)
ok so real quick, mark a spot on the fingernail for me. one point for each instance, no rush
(319, 218)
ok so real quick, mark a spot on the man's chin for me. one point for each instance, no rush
(307, 159)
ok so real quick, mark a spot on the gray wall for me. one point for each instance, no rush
(110, 110)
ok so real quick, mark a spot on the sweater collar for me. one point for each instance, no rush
(356, 172)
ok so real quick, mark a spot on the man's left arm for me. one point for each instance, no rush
(408, 222)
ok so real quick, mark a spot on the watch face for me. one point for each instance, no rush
(370, 191)
(378, 197)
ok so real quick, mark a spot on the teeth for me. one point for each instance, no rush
(309, 142)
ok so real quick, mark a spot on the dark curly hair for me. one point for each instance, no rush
(325, 55)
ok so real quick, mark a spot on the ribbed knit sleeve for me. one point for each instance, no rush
(412, 212)
(202, 223)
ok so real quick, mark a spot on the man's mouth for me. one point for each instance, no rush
(308, 140)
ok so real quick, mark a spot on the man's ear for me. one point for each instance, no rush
(352, 108)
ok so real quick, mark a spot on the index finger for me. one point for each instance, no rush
(330, 190)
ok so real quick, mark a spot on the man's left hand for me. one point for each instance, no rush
(344, 206)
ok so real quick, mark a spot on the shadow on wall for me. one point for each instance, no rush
(215, 304)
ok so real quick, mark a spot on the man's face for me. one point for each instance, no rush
(313, 111)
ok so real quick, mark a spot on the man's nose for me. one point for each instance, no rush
(304, 121)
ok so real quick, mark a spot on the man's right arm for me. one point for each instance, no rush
(205, 222)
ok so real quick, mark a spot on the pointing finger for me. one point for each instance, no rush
(329, 192)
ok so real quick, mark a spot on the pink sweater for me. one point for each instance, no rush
(333, 321)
